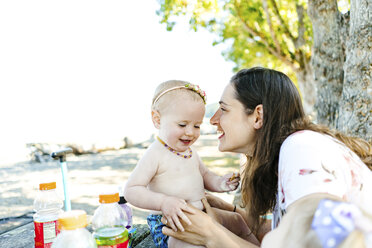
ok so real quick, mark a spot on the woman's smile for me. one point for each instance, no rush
(222, 134)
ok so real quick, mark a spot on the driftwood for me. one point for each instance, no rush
(40, 152)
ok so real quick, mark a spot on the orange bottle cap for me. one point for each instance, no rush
(47, 186)
(73, 219)
(109, 198)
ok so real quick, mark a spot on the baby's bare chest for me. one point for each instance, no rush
(182, 179)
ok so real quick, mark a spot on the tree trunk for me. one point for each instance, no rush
(355, 107)
(327, 59)
(307, 86)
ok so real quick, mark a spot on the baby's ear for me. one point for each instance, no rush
(155, 116)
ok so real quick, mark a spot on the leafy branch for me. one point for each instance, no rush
(271, 48)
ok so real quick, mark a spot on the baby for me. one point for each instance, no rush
(171, 174)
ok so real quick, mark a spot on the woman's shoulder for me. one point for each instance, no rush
(306, 139)
(310, 148)
(305, 136)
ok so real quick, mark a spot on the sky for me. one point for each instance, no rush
(85, 71)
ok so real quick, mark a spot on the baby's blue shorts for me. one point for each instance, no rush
(154, 222)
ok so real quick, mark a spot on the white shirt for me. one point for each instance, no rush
(311, 162)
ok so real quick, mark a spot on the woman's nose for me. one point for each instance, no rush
(216, 117)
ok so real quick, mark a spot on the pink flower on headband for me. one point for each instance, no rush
(197, 89)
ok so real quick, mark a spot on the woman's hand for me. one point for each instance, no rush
(230, 181)
(172, 208)
(199, 232)
(205, 231)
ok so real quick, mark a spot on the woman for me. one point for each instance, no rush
(288, 157)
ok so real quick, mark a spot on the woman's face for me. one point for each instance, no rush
(236, 127)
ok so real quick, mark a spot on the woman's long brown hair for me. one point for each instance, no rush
(283, 115)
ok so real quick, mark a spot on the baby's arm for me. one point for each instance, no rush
(215, 183)
(136, 191)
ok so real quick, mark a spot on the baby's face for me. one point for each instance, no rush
(180, 122)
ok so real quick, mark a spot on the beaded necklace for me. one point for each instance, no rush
(174, 151)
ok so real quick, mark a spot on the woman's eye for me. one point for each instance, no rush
(182, 125)
(223, 110)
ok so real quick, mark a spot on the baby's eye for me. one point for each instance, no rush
(182, 125)
(197, 126)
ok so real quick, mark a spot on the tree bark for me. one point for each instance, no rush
(327, 59)
(355, 107)
(307, 86)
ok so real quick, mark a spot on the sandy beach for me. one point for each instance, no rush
(88, 175)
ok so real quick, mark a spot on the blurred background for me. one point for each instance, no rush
(84, 71)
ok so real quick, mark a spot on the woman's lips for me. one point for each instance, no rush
(223, 134)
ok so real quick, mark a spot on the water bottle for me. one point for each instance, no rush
(47, 206)
(127, 209)
(109, 222)
(73, 233)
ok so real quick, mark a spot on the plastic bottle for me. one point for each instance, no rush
(127, 209)
(73, 233)
(109, 222)
(47, 206)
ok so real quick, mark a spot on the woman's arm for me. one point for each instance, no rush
(204, 230)
(217, 202)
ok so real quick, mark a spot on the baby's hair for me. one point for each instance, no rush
(161, 100)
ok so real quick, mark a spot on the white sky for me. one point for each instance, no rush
(86, 70)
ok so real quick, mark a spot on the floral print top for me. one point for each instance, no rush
(311, 162)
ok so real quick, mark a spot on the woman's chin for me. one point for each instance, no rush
(224, 148)
(221, 148)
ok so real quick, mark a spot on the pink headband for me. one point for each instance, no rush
(188, 86)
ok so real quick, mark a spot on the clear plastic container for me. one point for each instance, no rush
(109, 223)
(73, 233)
(47, 206)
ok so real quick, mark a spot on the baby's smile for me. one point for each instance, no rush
(185, 141)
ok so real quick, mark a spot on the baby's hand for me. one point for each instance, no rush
(230, 181)
(172, 208)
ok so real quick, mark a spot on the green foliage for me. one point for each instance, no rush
(269, 33)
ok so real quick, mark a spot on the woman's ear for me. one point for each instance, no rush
(155, 116)
(258, 114)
